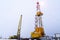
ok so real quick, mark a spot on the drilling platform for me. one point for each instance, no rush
(38, 33)
(39, 30)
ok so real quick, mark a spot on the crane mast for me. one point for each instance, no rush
(19, 27)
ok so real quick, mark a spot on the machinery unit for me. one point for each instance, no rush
(39, 30)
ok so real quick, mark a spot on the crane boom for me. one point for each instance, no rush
(19, 27)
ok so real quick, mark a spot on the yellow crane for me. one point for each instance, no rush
(39, 30)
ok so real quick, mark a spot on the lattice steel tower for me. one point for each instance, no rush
(39, 30)
(38, 16)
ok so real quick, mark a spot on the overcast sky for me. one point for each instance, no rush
(10, 11)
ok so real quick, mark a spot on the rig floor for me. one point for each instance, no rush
(29, 39)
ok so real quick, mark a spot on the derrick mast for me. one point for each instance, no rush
(38, 17)
(39, 30)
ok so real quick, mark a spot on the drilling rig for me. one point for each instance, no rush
(39, 30)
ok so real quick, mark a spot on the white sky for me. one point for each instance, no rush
(9, 16)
